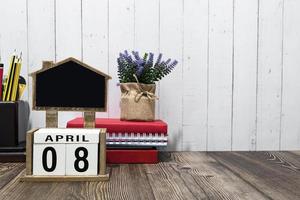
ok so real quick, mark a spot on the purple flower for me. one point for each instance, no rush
(139, 71)
(143, 67)
(150, 60)
(140, 62)
(167, 62)
(140, 67)
(126, 57)
(136, 55)
(173, 64)
(158, 59)
(126, 53)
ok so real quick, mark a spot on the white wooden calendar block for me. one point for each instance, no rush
(54, 154)
(65, 152)
(81, 159)
(66, 136)
(49, 159)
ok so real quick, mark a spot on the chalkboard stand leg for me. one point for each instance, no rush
(89, 119)
(51, 119)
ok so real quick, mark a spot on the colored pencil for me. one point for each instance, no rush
(1, 78)
(7, 89)
(15, 81)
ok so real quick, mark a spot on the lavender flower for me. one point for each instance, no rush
(126, 53)
(126, 56)
(167, 62)
(143, 67)
(158, 59)
(136, 55)
(140, 67)
(139, 71)
(173, 64)
(150, 60)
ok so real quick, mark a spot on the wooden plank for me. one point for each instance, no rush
(68, 20)
(8, 171)
(51, 118)
(291, 88)
(64, 178)
(202, 176)
(41, 45)
(13, 35)
(166, 182)
(95, 36)
(195, 57)
(265, 171)
(220, 74)
(121, 37)
(216, 181)
(133, 184)
(288, 160)
(269, 75)
(29, 149)
(102, 152)
(146, 32)
(245, 65)
(171, 44)
(89, 119)
(24, 190)
(181, 175)
(296, 152)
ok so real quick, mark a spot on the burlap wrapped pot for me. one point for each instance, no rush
(137, 101)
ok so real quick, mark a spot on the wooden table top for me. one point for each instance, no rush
(180, 175)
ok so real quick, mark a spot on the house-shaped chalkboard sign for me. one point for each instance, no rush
(69, 85)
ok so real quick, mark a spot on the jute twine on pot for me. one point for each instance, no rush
(137, 101)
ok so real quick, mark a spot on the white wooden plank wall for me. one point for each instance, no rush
(195, 50)
(236, 86)
(269, 74)
(171, 41)
(244, 75)
(290, 124)
(220, 61)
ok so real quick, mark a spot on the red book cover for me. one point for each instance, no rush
(1, 77)
(130, 156)
(118, 126)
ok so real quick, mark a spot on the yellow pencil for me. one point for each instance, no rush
(16, 80)
(7, 89)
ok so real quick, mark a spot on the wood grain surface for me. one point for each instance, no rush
(179, 175)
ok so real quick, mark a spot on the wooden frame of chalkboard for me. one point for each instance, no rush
(49, 65)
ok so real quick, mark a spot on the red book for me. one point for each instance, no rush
(130, 156)
(118, 126)
(1, 76)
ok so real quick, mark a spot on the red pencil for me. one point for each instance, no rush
(1, 76)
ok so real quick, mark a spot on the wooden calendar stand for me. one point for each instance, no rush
(103, 174)
(68, 85)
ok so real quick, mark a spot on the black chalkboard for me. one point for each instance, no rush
(70, 85)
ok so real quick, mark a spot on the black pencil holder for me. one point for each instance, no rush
(14, 117)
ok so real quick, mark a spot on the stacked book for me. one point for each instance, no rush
(128, 141)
